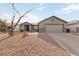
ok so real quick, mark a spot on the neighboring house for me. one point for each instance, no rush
(17, 28)
(52, 24)
(34, 27)
(20, 27)
(2, 28)
(73, 26)
(28, 27)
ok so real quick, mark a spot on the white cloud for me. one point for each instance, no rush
(70, 8)
(72, 18)
(2, 13)
(41, 7)
(31, 18)
(5, 16)
(41, 4)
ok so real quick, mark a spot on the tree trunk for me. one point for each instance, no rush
(10, 32)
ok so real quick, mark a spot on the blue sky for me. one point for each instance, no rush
(41, 11)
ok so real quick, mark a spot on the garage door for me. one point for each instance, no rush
(54, 28)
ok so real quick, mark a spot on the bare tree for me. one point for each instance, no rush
(11, 28)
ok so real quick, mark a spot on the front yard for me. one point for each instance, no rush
(33, 44)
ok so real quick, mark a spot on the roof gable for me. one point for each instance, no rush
(52, 17)
(25, 23)
(2, 22)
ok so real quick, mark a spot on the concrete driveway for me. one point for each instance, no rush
(68, 41)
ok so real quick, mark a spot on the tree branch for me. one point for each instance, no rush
(13, 17)
(13, 5)
(12, 20)
(21, 17)
(26, 13)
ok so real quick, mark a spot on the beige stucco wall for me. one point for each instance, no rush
(17, 28)
(36, 27)
(2, 26)
(0, 23)
(22, 27)
(50, 21)
(72, 27)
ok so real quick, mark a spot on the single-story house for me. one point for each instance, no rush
(26, 26)
(20, 27)
(73, 26)
(52, 24)
(34, 27)
(2, 28)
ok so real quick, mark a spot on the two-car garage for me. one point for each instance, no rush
(52, 24)
(54, 28)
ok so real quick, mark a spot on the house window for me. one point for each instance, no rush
(1, 29)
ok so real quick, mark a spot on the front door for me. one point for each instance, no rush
(26, 27)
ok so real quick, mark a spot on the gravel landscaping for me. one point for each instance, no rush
(34, 44)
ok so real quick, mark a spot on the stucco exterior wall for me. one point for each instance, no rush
(17, 28)
(2, 28)
(22, 26)
(72, 27)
